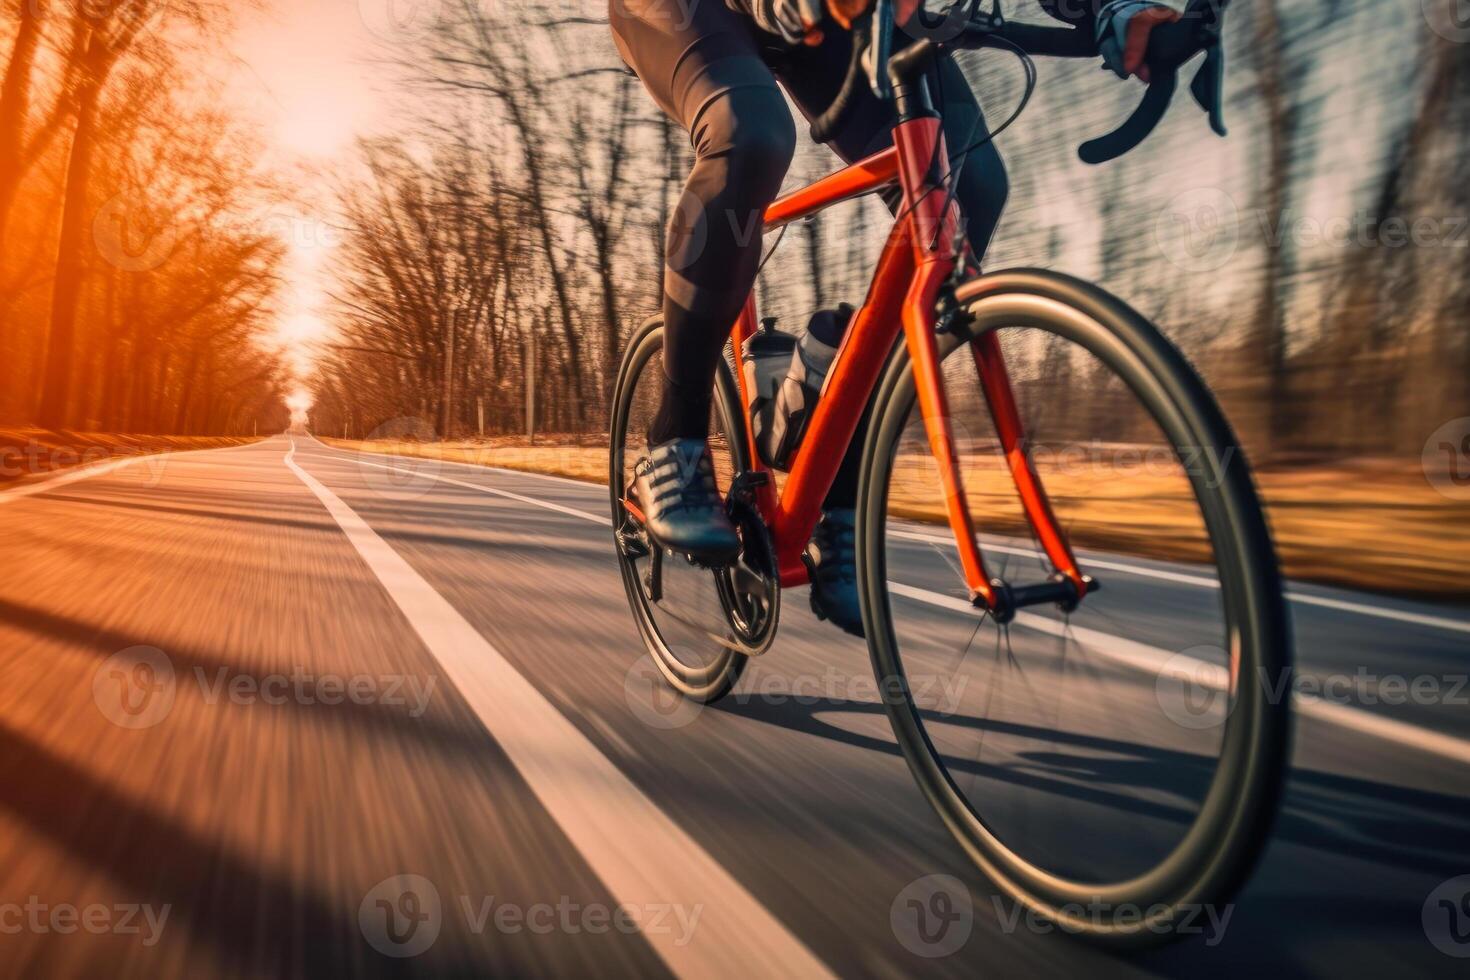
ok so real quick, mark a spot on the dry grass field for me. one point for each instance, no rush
(1371, 524)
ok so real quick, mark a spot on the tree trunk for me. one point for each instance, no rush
(15, 93)
(70, 268)
(1266, 337)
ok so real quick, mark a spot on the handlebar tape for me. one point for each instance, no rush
(1170, 46)
(825, 126)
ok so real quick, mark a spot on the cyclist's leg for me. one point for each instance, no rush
(702, 65)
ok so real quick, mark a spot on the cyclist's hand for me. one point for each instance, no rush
(847, 11)
(795, 21)
(1123, 28)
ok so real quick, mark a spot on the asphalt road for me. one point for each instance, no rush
(282, 709)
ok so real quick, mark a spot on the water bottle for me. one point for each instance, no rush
(797, 395)
(766, 357)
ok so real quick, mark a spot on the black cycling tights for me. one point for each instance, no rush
(716, 74)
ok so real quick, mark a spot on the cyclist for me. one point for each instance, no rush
(713, 66)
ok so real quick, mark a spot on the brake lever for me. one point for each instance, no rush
(1208, 86)
(1207, 89)
(1136, 127)
(880, 46)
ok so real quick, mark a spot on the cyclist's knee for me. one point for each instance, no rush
(749, 130)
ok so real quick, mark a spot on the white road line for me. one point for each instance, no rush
(548, 505)
(1156, 660)
(1305, 598)
(633, 847)
(85, 472)
(1183, 578)
(478, 467)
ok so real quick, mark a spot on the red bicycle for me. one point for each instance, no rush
(1121, 762)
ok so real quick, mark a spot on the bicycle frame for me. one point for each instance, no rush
(918, 259)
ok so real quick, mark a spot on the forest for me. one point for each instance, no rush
(1312, 264)
(137, 274)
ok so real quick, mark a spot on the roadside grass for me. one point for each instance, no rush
(1372, 524)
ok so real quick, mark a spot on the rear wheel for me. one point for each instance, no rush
(680, 608)
(1115, 768)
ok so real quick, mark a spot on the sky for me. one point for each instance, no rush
(314, 76)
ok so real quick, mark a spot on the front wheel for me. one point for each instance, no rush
(1115, 768)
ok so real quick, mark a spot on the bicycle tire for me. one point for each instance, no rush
(1217, 852)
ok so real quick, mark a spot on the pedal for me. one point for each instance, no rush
(743, 487)
(633, 544)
